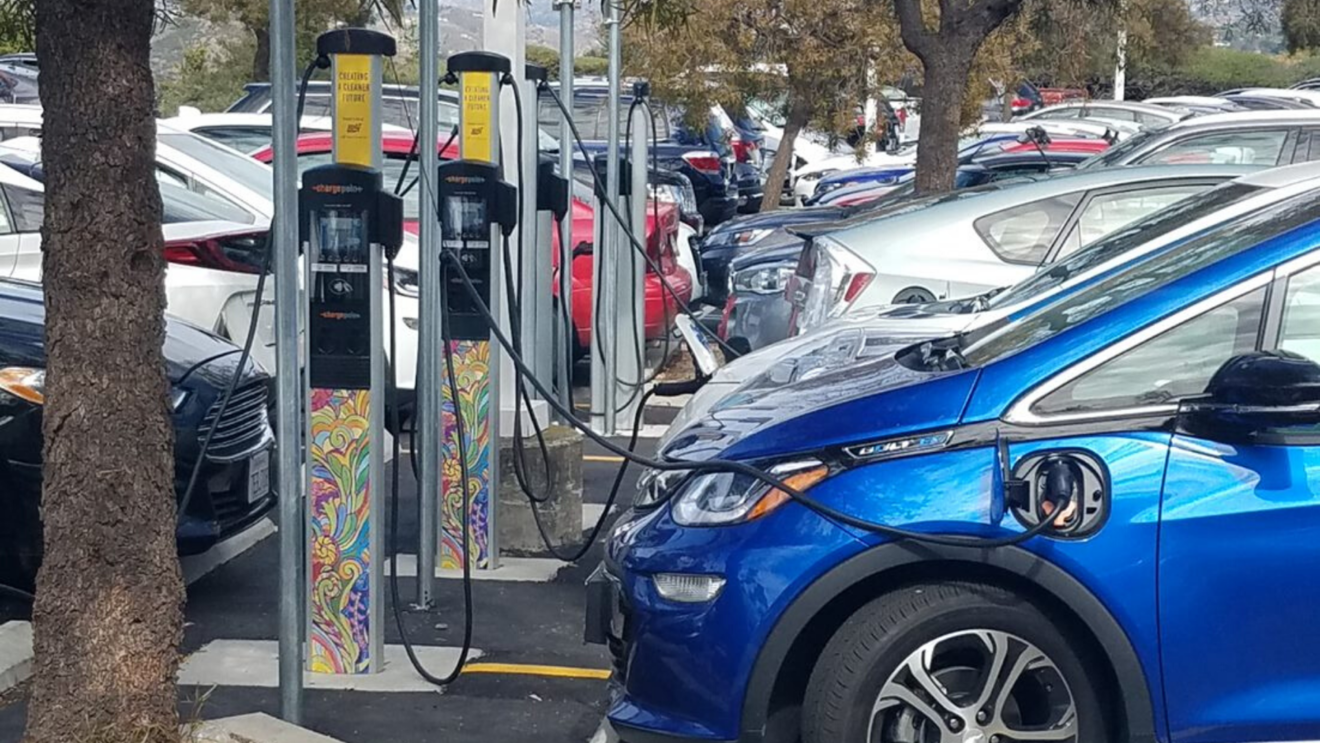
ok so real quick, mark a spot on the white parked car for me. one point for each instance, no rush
(207, 168)
(245, 132)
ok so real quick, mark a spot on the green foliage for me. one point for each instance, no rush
(1212, 69)
(17, 26)
(1301, 24)
(591, 66)
(209, 76)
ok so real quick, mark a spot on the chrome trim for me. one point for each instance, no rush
(266, 441)
(1020, 412)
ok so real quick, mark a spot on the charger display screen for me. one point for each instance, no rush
(466, 218)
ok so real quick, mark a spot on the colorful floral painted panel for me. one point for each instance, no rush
(472, 371)
(339, 459)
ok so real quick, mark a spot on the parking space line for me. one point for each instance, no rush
(602, 458)
(528, 669)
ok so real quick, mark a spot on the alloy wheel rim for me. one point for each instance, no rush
(974, 686)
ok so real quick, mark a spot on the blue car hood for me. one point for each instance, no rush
(838, 388)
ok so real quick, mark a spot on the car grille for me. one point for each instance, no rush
(244, 428)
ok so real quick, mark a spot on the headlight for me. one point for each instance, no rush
(177, 398)
(738, 237)
(654, 486)
(24, 383)
(406, 282)
(767, 280)
(727, 498)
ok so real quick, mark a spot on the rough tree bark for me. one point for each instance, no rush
(108, 617)
(261, 56)
(799, 113)
(947, 52)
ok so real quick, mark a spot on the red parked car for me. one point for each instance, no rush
(661, 236)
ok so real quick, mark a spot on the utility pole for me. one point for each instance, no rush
(564, 348)
(289, 389)
(429, 395)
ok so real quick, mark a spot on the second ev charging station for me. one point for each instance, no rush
(468, 193)
(347, 224)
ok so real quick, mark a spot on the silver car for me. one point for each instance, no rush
(969, 242)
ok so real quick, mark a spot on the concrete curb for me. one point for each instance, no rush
(15, 654)
(256, 728)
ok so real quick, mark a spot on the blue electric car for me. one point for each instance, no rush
(1163, 419)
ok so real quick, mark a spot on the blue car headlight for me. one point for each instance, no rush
(654, 486)
(720, 498)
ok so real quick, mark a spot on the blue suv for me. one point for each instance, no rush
(1151, 440)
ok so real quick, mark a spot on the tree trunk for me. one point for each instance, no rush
(774, 180)
(941, 113)
(108, 619)
(261, 57)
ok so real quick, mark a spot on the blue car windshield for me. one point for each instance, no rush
(1129, 238)
(1000, 340)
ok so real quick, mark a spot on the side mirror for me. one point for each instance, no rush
(1254, 393)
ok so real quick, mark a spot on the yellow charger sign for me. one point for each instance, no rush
(353, 145)
(478, 116)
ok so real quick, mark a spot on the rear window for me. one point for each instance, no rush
(1023, 234)
(1005, 339)
(249, 173)
(1127, 239)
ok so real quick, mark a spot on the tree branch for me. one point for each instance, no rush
(912, 27)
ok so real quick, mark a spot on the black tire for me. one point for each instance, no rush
(914, 295)
(873, 648)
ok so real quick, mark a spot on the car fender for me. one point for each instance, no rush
(1134, 689)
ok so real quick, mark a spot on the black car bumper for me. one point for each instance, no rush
(224, 502)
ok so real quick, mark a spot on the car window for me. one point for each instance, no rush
(1059, 113)
(998, 340)
(1126, 239)
(1110, 212)
(241, 138)
(1119, 153)
(1176, 364)
(165, 175)
(1145, 118)
(1299, 330)
(27, 207)
(1118, 114)
(178, 204)
(247, 172)
(1024, 233)
(1237, 148)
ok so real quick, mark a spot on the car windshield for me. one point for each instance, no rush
(1002, 339)
(1119, 153)
(249, 173)
(1129, 238)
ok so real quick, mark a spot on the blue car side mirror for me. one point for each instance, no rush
(1255, 393)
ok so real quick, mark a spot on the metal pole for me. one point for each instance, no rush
(289, 387)
(428, 382)
(613, 231)
(565, 346)
(532, 277)
(1120, 67)
(599, 381)
(631, 330)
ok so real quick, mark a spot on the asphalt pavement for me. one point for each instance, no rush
(525, 625)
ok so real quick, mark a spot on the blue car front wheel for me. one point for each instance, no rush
(951, 663)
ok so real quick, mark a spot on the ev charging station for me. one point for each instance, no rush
(347, 224)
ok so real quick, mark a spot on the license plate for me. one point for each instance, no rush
(258, 476)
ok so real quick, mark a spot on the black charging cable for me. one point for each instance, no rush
(321, 63)
(465, 519)
(734, 466)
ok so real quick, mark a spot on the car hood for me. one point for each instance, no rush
(822, 389)
(23, 321)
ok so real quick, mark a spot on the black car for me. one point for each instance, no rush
(234, 486)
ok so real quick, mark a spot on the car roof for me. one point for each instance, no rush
(1234, 119)
(1285, 175)
(1163, 111)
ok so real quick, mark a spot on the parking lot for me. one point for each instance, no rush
(536, 680)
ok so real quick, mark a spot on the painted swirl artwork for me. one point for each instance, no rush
(471, 364)
(339, 460)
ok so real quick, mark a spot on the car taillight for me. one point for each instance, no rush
(744, 151)
(1021, 104)
(236, 253)
(838, 278)
(704, 162)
